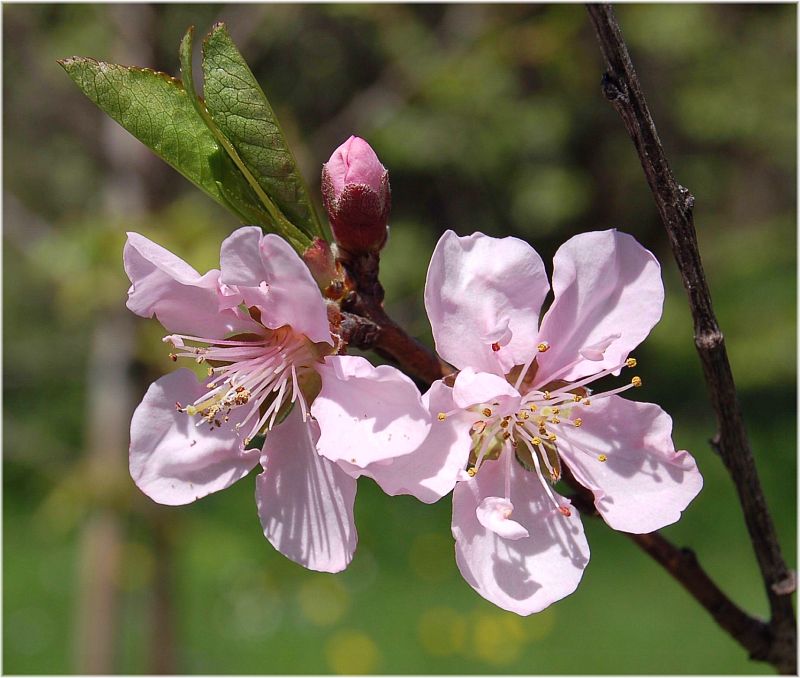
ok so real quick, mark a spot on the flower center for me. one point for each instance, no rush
(266, 372)
(544, 413)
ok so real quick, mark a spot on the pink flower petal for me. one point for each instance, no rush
(305, 502)
(605, 284)
(644, 484)
(494, 513)
(183, 301)
(430, 471)
(520, 575)
(175, 462)
(270, 275)
(473, 388)
(478, 290)
(367, 414)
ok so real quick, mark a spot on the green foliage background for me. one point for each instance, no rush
(489, 118)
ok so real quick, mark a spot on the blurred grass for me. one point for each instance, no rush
(489, 118)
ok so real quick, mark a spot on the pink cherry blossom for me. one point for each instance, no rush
(260, 328)
(522, 409)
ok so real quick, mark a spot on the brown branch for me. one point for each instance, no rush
(369, 327)
(682, 564)
(674, 202)
(751, 633)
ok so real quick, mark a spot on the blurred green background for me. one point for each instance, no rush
(489, 118)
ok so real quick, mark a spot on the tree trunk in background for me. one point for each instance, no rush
(100, 563)
(111, 399)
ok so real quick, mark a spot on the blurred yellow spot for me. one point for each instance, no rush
(442, 631)
(431, 556)
(323, 601)
(539, 626)
(352, 652)
(497, 638)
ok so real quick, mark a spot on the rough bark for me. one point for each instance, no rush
(621, 87)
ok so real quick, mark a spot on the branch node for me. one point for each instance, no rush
(687, 197)
(709, 341)
(613, 89)
(787, 585)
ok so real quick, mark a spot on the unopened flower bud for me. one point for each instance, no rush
(356, 195)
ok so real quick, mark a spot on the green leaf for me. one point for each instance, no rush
(272, 219)
(242, 113)
(156, 109)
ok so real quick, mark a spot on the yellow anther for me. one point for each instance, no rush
(555, 410)
(544, 346)
(210, 371)
(441, 416)
(486, 412)
(537, 441)
(555, 420)
(547, 395)
(247, 441)
(191, 410)
(506, 435)
(504, 423)
(602, 457)
(631, 362)
(524, 415)
(534, 407)
(636, 381)
(578, 422)
(577, 398)
(471, 471)
(552, 437)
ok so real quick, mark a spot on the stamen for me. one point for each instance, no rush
(541, 348)
(443, 415)
(508, 454)
(586, 380)
(540, 475)
(602, 457)
(487, 440)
